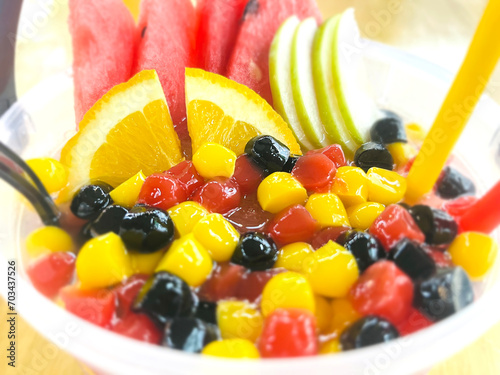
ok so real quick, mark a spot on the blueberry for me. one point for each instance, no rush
(373, 154)
(438, 226)
(256, 252)
(189, 334)
(292, 160)
(365, 248)
(412, 259)
(146, 229)
(388, 130)
(91, 200)
(206, 311)
(367, 331)
(447, 291)
(268, 153)
(109, 220)
(165, 296)
(452, 184)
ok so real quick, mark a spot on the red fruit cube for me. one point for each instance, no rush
(247, 175)
(289, 333)
(223, 283)
(322, 237)
(251, 284)
(218, 195)
(94, 306)
(294, 224)
(394, 224)
(383, 290)
(162, 191)
(414, 322)
(186, 173)
(127, 291)
(315, 172)
(51, 272)
(332, 152)
(139, 327)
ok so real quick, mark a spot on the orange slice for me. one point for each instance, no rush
(129, 129)
(223, 111)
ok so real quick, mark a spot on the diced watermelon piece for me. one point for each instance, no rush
(139, 327)
(94, 306)
(167, 31)
(249, 63)
(219, 25)
(51, 272)
(127, 291)
(104, 38)
(223, 283)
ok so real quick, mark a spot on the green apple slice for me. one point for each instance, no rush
(358, 110)
(280, 78)
(304, 95)
(322, 60)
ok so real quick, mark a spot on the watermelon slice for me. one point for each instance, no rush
(104, 39)
(249, 62)
(219, 25)
(168, 30)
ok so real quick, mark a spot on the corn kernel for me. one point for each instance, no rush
(103, 261)
(474, 252)
(214, 160)
(401, 153)
(232, 348)
(330, 347)
(287, 290)
(363, 215)
(218, 236)
(291, 257)
(343, 315)
(279, 191)
(385, 187)
(186, 215)
(187, 259)
(48, 240)
(415, 133)
(323, 314)
(145, 263)
(331, 270)
(351, 185)
(238, 319)
(328, 210)
(52, 174)
(126, 194)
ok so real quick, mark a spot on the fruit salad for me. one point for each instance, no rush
(252, 206)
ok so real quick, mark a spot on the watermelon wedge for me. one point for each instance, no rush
(249, 62)
(168, 30)
(219, 25)
(104, 37)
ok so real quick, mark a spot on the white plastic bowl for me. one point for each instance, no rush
(398, 81)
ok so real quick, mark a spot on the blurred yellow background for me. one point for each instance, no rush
(436, 30)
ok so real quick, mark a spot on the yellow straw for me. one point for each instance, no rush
(457, 108)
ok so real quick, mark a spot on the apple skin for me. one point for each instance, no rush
(322, 60)
(302, 82)
(358, 110)
(281, 81)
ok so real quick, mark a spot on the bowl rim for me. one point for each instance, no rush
(50, 317)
